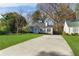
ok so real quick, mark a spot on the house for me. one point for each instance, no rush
(71, 27)
(42, 27)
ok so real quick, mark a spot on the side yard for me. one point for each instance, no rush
(9, 40)
(73, 41)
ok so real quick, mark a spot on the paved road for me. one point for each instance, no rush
(47, 45)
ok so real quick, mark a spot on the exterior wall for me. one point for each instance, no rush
(48, 22)
(42, 30)
(66, 28)
(49, 30)
(34, 30)
(74, 30)
(71, 30)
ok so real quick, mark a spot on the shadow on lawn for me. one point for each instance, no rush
(43, 53)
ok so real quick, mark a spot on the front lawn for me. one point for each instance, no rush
(9, 40)
(73, 41)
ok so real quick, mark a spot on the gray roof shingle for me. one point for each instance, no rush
(73, 23)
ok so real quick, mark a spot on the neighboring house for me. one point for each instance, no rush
(42, 27)
(71, 27)
(1, 16)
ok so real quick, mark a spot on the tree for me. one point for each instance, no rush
(37, 15)
(3, 27)
(77, 10)
(58, 12)
(15, 22)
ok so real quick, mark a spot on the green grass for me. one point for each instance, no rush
(9, 40)
(73, 41)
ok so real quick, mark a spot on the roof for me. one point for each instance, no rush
(73, 23)
(39, 25)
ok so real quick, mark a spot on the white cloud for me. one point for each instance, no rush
(15, 4)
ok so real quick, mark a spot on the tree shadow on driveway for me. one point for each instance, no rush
(43, 53)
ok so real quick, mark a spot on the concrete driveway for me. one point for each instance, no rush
(47, 45)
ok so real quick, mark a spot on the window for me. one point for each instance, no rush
(48, 30)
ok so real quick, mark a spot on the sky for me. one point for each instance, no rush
(15, 4)
(16, 7)
(73, 6)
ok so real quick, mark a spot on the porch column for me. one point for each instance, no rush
(51, 30)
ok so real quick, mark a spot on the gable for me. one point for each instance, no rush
(49, 21)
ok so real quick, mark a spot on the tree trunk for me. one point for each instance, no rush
(17, 28)
(58, 28)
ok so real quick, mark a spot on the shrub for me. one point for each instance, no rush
(64, 33)
(26, 29)
(74, 34)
